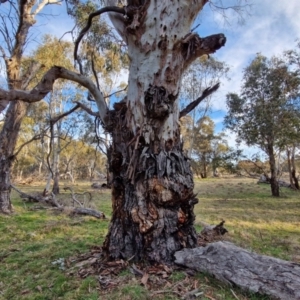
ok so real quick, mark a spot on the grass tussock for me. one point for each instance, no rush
(35, 242)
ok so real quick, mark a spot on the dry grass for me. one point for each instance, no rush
(255, 220)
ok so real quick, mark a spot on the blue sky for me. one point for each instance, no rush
(272, 27)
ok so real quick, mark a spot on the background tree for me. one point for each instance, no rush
(210, 150)
(266, 110)
(17, 19)
(204, 72)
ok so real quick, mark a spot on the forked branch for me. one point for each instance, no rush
(207, 92)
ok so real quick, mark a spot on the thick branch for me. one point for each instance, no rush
(194, 46)
(207, 92)
(43, 4)
(46, 84)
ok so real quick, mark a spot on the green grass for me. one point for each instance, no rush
(254, 218)
(32, 242)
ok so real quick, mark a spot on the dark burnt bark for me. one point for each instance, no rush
(152, 195)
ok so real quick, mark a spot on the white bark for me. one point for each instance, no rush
(156, 62)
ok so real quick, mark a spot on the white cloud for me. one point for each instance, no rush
(271, 29)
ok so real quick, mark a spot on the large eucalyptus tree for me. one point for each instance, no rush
(152, 189)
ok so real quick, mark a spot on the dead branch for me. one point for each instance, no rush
(193, 46)
(82, 211)
(34, 138)
(119, 91)
(207, 92)
(73, 195)
(57, 118)
(51, 199)
(86, 109)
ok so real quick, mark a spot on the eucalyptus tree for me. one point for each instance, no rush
(16, 20)
(152, 189)
(267, 110)
(210, 149)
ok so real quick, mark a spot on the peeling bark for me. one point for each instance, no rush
(252, 272)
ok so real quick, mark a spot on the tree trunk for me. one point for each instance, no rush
(274, 179)
(288, 154)
(293, 168)
(8, 140)
(204, 166)
(152, 188)
(152, 191)
(252, 272)
(55, 168)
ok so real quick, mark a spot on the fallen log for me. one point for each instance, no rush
(233, 265)
(38, 197)
(265, 180)
(51, 199)
(80, 211)
(88, 212)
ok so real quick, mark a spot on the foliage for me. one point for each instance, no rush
(209, 151)
(267, 113)
(268, 107)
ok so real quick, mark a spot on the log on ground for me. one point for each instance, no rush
(233, 265)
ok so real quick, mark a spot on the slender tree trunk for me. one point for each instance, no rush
(8, 140)
(55, 170)
(293, 168)
(288, 154)
(204, 166)
(152, 188)
(273, 169)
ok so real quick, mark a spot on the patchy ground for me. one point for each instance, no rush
(47, 255)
